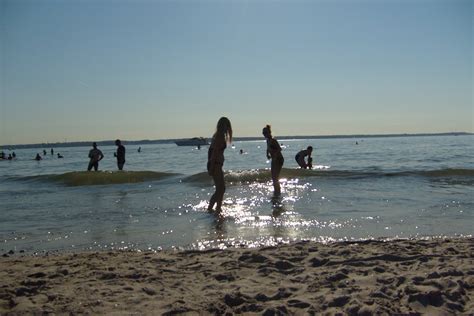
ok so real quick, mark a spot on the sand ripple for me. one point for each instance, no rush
(433, 277)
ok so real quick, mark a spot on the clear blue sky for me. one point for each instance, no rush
(95, 70)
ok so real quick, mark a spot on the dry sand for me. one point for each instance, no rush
(432, 277)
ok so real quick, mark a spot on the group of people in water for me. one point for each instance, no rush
(38, 156)
(215, 161)
(96, 155)
(4, 156)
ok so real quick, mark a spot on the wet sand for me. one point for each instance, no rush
(432, 277)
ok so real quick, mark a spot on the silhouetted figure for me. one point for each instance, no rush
(60, 156)
(139, 149)
(300, 158)
(215, 161)
(38, 157)
(95, 156)
(274, 152)
(44, 152)
(120, 154)
(10, 157)
(52, 151)
(13, 155)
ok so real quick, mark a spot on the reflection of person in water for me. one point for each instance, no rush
(95, 156)
(300, 158)
(215, 161)
(278, 207)
(274, 152)
(120, 154)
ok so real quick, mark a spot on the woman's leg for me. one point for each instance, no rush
(276, 169)
(220, 188)
(218, 195)
(212, 201)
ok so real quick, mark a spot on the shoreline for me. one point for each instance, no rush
(434, 276)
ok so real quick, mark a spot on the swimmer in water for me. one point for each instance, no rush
(300, 158)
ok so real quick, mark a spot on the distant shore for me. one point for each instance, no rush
(431, 277)
(172, 141)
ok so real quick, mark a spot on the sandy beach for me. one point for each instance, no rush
(432, 277)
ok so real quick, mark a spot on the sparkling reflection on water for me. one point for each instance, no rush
(382, 188)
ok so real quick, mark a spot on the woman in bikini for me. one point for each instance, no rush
(274, 152)
(215, 161)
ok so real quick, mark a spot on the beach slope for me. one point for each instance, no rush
(434, 277)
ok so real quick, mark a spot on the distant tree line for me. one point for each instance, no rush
(171, 141)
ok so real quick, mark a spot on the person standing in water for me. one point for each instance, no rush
(120, 154)
(300, 158)
(95, 156)
(274, 153)
(215, 161)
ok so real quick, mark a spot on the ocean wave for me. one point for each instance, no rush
(246, 176)
(440, 173)
(80, 178)
(448, 173)
(263, 175)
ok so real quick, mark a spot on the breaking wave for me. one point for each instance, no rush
(263, 175)
(79, 178)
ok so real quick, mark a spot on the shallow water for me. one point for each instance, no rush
(401, 187)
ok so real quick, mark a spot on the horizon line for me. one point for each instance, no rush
(242, 138)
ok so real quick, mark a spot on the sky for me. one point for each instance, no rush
(83, 70)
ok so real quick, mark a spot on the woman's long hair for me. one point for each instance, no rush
(224, 127)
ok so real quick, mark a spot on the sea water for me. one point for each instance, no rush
(360, 188)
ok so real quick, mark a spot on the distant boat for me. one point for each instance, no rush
(195, 141)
